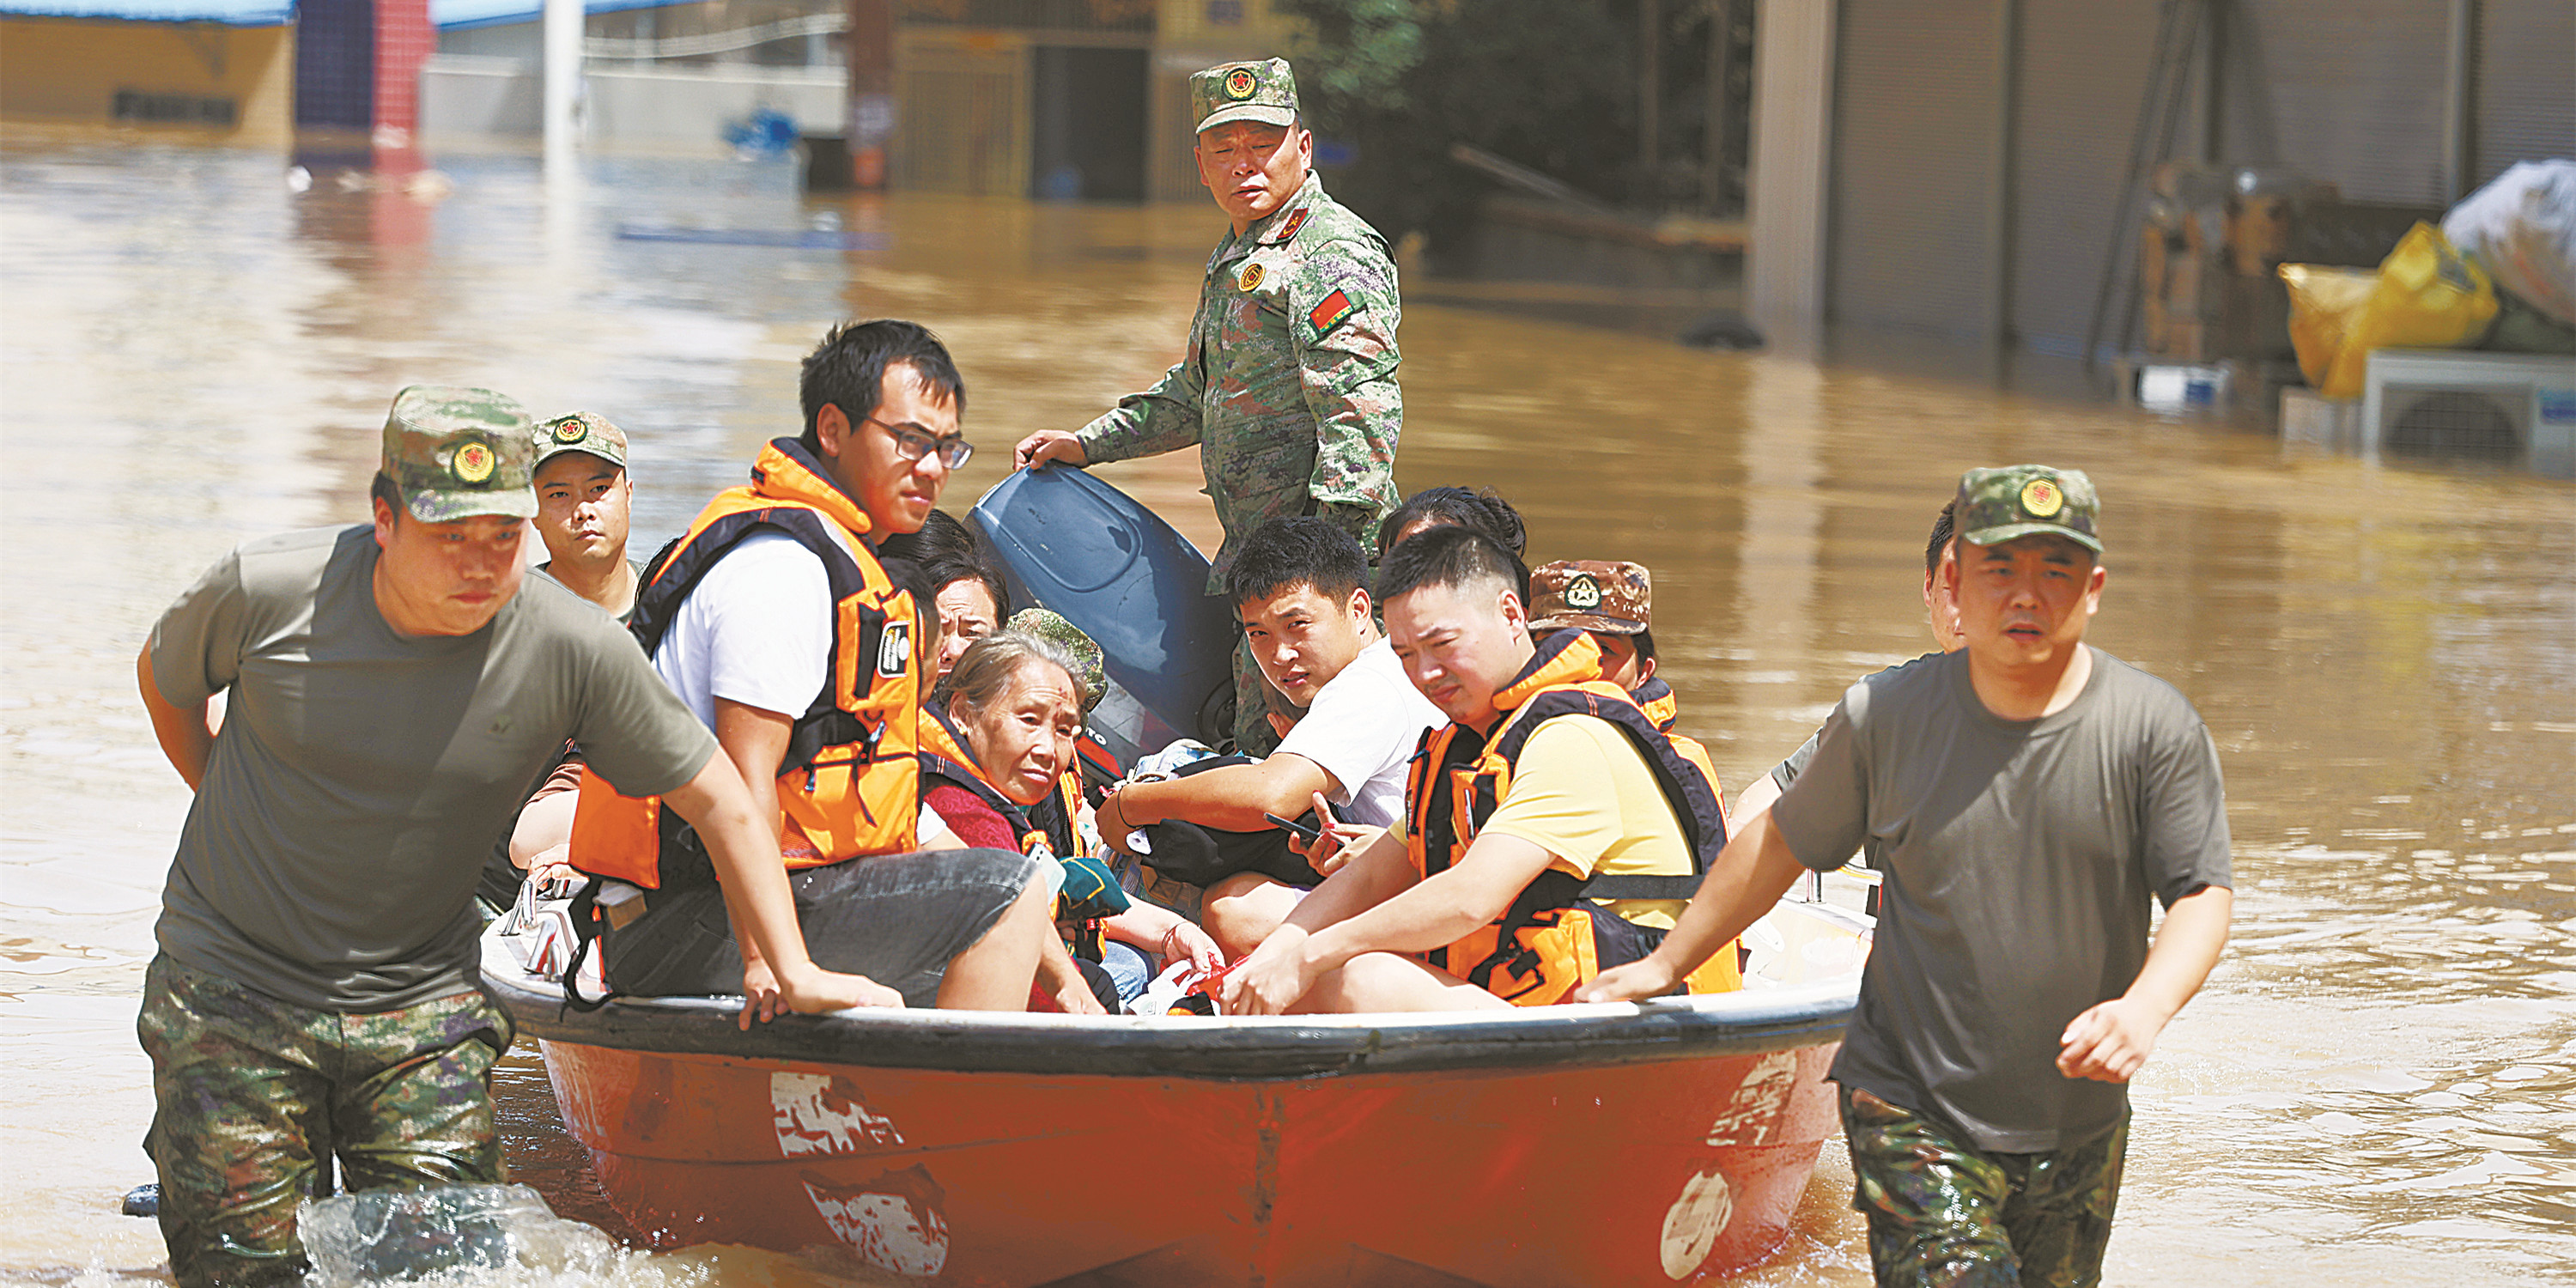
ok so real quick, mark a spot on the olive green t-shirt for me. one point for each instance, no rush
(352, 795)
(2020, 861)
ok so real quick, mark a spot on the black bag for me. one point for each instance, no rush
(1202, 856)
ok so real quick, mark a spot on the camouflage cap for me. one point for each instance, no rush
(1265, 92)
(581, 431)
(1590, 595)
(2011, 501)
(1046, 625)
(456, 453)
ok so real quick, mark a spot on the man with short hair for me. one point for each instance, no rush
(2026, 797)
(1614, 601)
(778, 626)
(1300, 589)
(393, 690)
(584, 499)
(1547, 832)
(1288, 384)
(584, 496)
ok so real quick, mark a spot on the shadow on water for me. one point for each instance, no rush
(2375, 1087)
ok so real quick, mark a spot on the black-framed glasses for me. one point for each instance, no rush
(912, 444)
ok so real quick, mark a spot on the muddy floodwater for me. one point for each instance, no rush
(2378, 1086)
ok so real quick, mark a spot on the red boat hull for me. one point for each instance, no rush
(1649, 1172)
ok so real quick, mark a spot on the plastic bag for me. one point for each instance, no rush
(2429, 296)
(2521, 227)
(2324, 304)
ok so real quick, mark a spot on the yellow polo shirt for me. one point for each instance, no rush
(1583, 793)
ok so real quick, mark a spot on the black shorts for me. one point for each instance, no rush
(896, 919)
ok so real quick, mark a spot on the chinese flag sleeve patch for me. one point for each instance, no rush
(1329, 312)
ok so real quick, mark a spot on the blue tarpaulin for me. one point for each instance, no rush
(233, 13)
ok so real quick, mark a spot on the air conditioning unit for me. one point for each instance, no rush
(2516, 410)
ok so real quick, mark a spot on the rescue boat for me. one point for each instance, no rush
(1553, 1147)
(1566, 1146)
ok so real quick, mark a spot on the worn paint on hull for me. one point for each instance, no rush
(1637, 1174)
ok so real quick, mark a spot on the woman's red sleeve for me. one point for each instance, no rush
(966, 814)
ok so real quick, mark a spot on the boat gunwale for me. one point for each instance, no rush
(1239, 1049)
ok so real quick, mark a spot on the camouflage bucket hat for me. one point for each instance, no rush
(2011, 501)
(1590, 595)
(456, 453)
(1046, 625)
(581, 431)
(1265, 92)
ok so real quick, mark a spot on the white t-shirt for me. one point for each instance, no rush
(758, 631)
(1362, 729)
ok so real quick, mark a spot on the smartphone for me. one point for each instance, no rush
(1307, 831)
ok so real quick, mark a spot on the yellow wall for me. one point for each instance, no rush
(69, 71)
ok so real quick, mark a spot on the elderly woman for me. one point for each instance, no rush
(1000, 744)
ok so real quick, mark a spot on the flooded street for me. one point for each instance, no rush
(2378, 1086)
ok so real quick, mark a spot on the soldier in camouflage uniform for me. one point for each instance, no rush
(2027, 800)
(391, 690)
(1288, 381)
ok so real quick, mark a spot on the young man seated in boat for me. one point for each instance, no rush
(1547, 832)
(584, 497)
(776, 622)
(968, 598)
(1613, 603)
(1300, 589)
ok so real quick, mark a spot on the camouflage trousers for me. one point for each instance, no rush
(255, 1097)
(1945, 1214)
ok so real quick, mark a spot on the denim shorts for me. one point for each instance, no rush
(897, 919)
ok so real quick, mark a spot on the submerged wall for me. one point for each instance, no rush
(231, 84)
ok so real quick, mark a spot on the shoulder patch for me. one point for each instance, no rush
(1329, 312)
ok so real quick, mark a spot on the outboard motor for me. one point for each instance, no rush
(1072, 543)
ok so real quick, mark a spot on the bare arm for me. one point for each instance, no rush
(185, 734)
(1750, 875)
(1233, 798)
(1063, 980)
(755, 741)
(2110, 1042)
(1755, 798)
(1431, 913)
(544, 829)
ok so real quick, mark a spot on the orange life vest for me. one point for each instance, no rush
(1662, 706)
(1543, 945)
(945, 757)
(850, 782)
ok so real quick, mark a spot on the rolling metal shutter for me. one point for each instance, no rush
(2082, 68)
(1915, 169)
(2348, 91)
(2526, 102)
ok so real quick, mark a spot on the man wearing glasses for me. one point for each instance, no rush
(774, 621)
